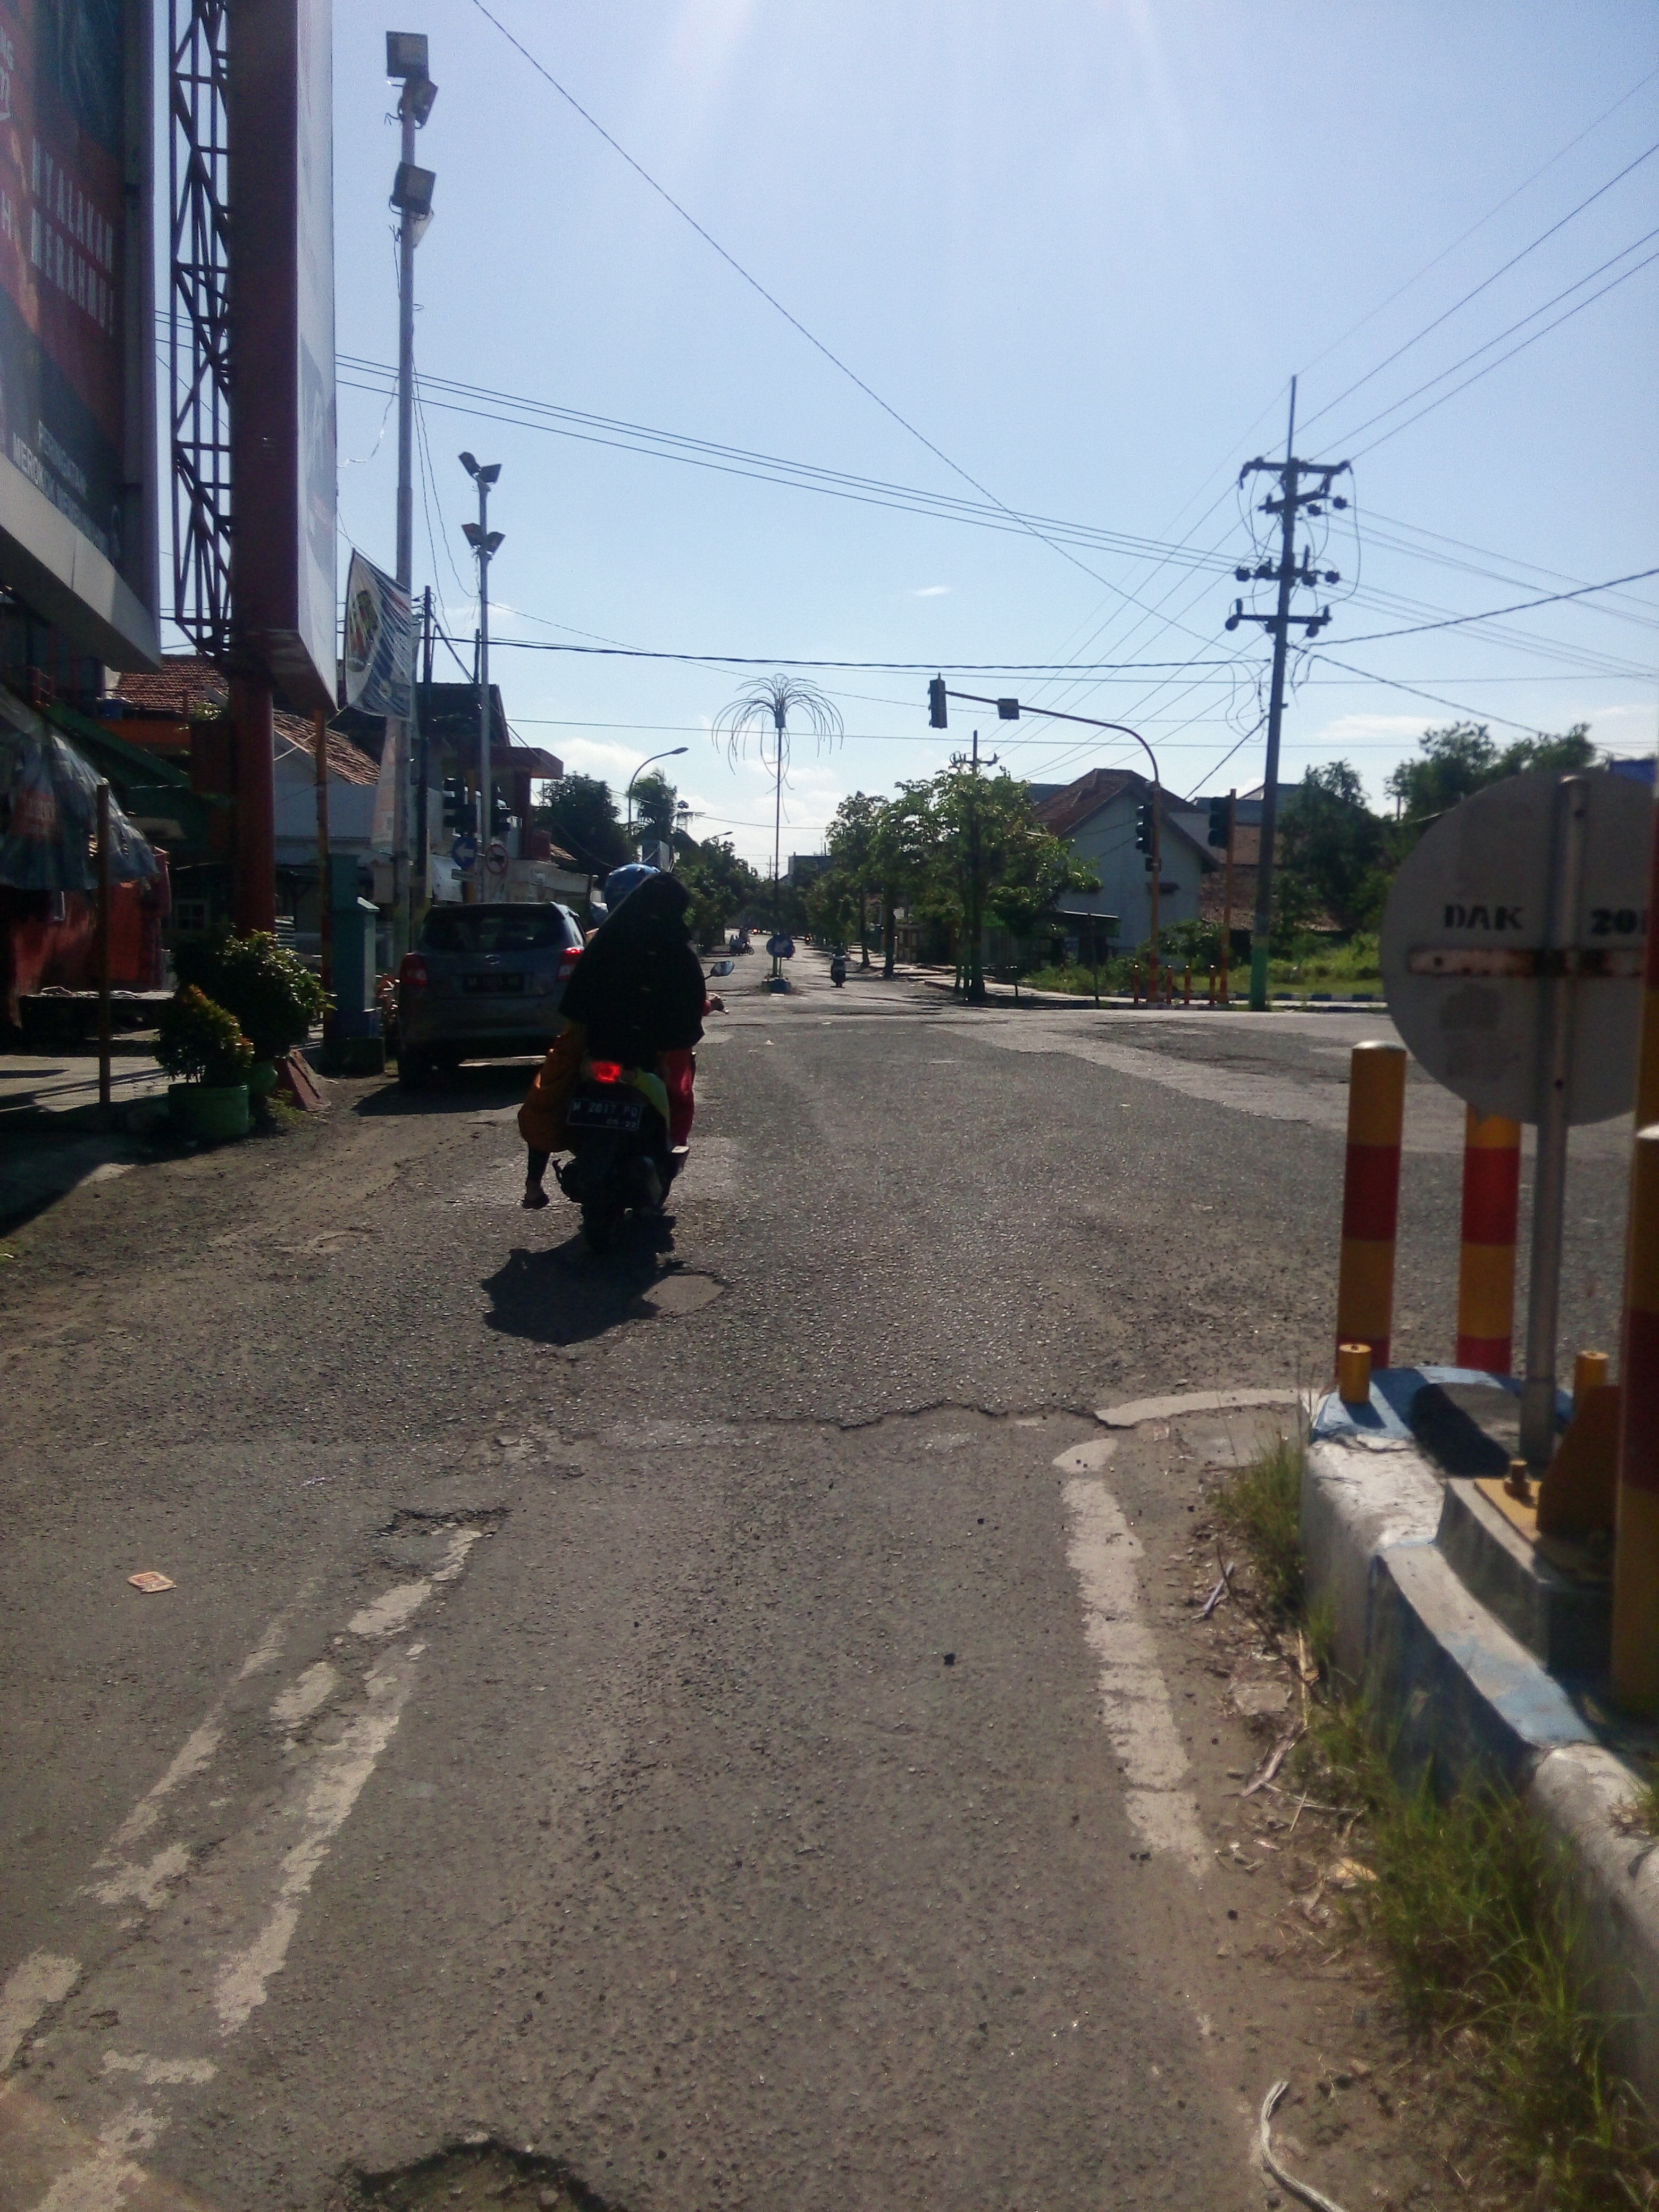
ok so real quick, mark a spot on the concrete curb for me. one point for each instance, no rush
(1459, 1694)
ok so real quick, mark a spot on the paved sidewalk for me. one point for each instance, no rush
(33, 1084)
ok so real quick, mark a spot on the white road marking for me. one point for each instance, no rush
(156, 2071)
(147, 1885)
(194, 1755)
(1103, 1552)
(326, 1795)
(215, 1950)
(304, 1697)
(28, 1992)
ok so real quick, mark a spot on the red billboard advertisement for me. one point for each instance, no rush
(77, 431)
(281, 330)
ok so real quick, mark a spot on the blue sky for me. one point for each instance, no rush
(1080, 245)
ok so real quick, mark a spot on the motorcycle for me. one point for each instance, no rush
(838, 969)
(621, 1157)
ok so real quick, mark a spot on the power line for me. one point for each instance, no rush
(794, 321)
(1611, 286)
(1475, 292)
(1464, 237)
(1522, 606)
(891, 667)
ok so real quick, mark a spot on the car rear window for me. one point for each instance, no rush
(494, 929)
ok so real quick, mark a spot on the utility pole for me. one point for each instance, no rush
(412, 195)
(420, 670)
(974, 985)
(1292, 500)
(484, 541)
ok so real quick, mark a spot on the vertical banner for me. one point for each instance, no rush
(380, 642)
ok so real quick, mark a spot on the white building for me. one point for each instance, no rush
(1096, 816)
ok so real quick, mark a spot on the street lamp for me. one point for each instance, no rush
(1008, 711)
(484, 541)
(673, 753)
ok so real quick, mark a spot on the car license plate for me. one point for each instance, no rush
(605, 1110)
(472, 983)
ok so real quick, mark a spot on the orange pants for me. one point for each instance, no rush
(677, 1069)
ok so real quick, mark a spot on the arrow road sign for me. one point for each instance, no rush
(463, 852)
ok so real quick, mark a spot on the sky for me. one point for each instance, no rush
(1058, 260)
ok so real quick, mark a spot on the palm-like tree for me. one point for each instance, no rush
(764, 707)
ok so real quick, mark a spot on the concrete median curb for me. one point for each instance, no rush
(1452, 1689)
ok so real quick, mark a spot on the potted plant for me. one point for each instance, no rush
(273, 995)
(201, 1046)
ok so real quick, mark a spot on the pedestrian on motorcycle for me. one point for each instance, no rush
(638, 996)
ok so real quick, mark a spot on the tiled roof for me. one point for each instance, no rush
(1068, 809)
(185, 686)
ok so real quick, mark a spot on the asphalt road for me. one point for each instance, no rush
(684, 1719)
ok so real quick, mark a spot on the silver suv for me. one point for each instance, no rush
(483, 982)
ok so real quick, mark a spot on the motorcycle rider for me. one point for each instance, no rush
(638, 996)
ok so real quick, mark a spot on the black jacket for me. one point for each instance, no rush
(638, 989)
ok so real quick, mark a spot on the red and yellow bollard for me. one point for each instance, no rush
(1486, 1274)
(1134, 980)
(1187, 985)
(1370, 1198)
(1636, 1550)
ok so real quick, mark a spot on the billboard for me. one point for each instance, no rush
(282, 340)
(77, 469)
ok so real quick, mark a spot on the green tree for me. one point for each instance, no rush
(852, 842)
(993, 858)
(721, 884)
(902, 855)
(654, 798)
(581, 819)
(1334, 854)
(834, 907)
(1465, 757)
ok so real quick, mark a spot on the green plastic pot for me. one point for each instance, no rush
(262, 1078)
(210, 1111)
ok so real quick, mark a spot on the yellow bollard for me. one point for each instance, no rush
(1486, 1274)
(1353, 1374)
(1635, 1544)
(1590, 1372)
(1370, 1198)
(1187, 985)
(1134, 978)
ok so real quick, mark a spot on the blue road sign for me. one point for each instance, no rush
(463, 852)
(781, 947)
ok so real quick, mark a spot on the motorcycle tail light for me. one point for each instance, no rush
(605, 1071)
(412, 972)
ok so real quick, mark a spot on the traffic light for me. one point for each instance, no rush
(1221, 820)
(936, 716)
(1144, 826)
(458, 807)
(500, 817)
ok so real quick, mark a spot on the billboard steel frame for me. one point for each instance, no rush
(198, 168)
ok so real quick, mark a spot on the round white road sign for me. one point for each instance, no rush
(1467, 956)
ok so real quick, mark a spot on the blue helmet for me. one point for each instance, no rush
(621, 881)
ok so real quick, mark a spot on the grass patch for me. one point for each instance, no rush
(1318, 965)
(1473, 1904)
(1261, 1503)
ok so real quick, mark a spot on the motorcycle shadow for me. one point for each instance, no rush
(564, 1295)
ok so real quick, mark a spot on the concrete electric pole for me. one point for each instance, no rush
(1292, 500)
(484, 541)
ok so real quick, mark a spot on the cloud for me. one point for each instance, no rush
(932, 591)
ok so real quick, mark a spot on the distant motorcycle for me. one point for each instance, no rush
(838, 969)
(621, 1158)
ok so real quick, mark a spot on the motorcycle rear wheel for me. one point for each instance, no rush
(601, 1219)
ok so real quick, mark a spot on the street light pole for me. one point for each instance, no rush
(673, 753)
(412, 195)
(484, 541)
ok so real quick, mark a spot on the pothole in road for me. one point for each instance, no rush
(473, 2178)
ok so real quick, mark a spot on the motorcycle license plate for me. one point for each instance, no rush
(605, 1110)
